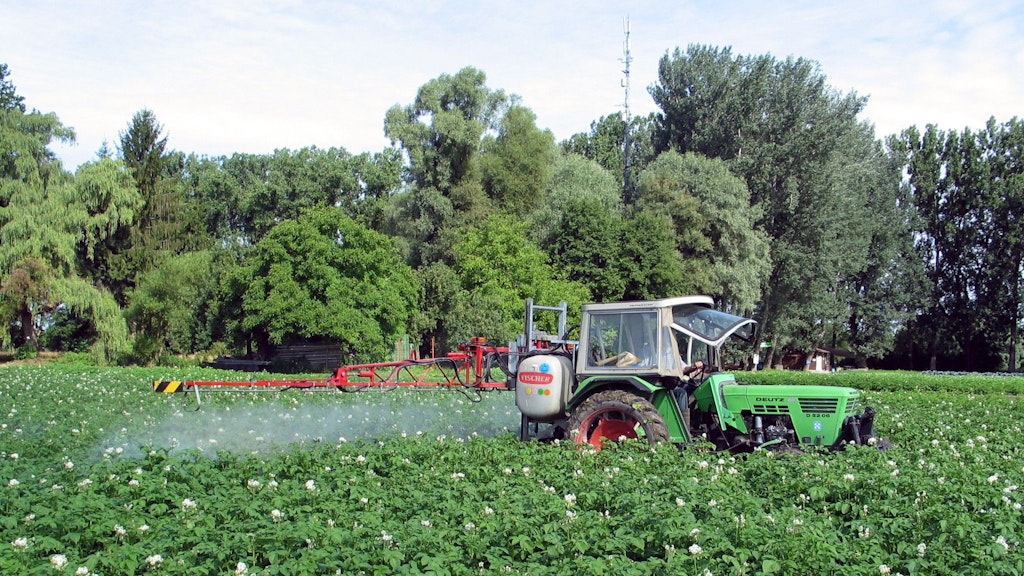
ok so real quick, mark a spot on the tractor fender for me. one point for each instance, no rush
(590, 386)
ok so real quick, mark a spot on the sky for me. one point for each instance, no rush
(254, 76)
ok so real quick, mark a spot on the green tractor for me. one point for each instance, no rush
(649, 369)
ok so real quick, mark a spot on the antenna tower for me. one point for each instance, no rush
(626, 59)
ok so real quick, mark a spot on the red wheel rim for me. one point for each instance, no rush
(605, 424)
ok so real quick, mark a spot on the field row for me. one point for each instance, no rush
(99, 475)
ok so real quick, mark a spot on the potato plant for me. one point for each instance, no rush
(98, 475)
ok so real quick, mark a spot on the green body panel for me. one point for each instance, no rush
(596, 383)
(667, 406)
(817, 412)
(709, 399)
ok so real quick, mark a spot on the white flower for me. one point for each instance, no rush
(154, 559)
(884, 569)
(69, 464)
(119, 530)
(311, 485)
(59, 561)
(13, 482)
(713, 503)
(277, 515)
(695, 549)
(993, 479)
(425, 523)
(385, 537)
(488, 510)
(680, 502)
(570, 514)
(1001, 540)
(507, 471)
(921, 548)
(848, 477)
(144, 528)
(20, 543)
(694, 532)
(133, 482)
(570, 499)
(241, 569)
(82, 571)
(188, 504)
(469, 526)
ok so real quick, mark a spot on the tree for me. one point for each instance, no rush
(781, 128)
(883, 285)
(1003, 234)
(498, 269)
(41, 221)
(652, 266)
(165, 308)
(574, 179)
(135, 249)
(9, 97)
(324, 276)
(441, 133)
(110, 206)
(603, 144)
(516, 165)
(725, 256)
(586, 245)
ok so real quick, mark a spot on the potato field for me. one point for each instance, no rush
(99, 475)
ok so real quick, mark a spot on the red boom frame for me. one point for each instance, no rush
(469, 368)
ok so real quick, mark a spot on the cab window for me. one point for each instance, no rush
(623, 340)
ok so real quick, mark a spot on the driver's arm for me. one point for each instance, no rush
(695, 367)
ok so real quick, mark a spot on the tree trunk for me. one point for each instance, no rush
(1013, 324)
(28, 328)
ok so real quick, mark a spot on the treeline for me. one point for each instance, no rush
(755, 184)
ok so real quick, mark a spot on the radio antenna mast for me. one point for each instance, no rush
(627, 58)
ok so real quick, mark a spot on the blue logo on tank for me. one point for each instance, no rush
(545, 368)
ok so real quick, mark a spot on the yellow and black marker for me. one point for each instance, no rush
(169, 386)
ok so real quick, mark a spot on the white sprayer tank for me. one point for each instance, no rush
(543, 384)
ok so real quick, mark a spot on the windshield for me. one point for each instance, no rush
(709, 325)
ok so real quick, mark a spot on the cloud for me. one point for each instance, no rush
(237, 76)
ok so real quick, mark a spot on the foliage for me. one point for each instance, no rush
(786, 133)
(9, 97)
(574, 180)
(964, 187)
(119, 480)
(516, 165)
(325, 276)
(163, 310)
(725, 255)
(498, 269)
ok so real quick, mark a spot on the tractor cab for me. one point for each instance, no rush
(657, 337)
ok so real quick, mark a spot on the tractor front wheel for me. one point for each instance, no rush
(615, 414)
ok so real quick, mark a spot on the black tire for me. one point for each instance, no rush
(612, 414)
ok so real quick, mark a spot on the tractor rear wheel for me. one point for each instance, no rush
(614, 414)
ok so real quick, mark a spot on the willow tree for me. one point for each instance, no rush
(41, 221)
